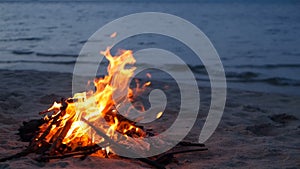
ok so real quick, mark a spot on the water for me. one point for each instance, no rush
(258, 42)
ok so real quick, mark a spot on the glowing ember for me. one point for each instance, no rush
(159, 115)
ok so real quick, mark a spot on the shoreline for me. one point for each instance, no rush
(256, 130)
(233, 89)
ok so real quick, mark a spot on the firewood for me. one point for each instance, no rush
(57, 143)
(185, 143)
(53, 148)
(36, 143)
(56, 135)
(85, 152)
(29, 129)
(18, 155)
(113, 143)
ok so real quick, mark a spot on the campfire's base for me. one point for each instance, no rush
(28, 130)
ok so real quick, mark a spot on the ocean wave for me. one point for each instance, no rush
(40, 62)
(291, 53)
(50, 62)
(29, 52)
(22, 52)
(273, 31)
(268, 66)
(275, 81)
(23, 39)
(243, 75)
(198, 69)
(56, 54)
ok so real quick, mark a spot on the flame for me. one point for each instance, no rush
(55, 106)
(97, 106)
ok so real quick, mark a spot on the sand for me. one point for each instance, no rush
(257, 130)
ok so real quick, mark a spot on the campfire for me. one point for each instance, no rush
(70, 126)
(89, 123)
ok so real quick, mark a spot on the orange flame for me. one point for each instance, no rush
(97, 105)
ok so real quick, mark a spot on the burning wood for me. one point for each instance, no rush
(65, 131)
(88, 122)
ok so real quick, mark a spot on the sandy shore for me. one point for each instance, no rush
(258, 130)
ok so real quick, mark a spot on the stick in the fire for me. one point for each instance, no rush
(112, 142)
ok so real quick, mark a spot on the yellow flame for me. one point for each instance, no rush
(97, 105)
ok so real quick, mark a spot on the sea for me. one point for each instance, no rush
(258, 42)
